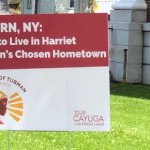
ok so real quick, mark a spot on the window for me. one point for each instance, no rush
(29, 4)
(71, 3)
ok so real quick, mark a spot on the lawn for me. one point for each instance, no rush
(130, 127)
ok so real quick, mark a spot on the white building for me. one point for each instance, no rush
(129, 30)
(47, 6)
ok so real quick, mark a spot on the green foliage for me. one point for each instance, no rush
(20, 5)
(130, 127)
(90, 3)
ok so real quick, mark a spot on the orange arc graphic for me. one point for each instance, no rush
(14, 117)
(15, 100)
(15, 107)
(19, 105)
(14, 95)
(2, 94)
(17, 112)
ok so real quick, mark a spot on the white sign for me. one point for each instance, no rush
(53, 76)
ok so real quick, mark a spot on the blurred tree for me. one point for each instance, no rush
(92, 6)
(84, 6)
(14, 3)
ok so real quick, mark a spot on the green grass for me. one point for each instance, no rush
(130, 127)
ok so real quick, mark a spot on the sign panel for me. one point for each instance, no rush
(54, 73)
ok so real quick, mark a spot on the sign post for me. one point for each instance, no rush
(54, 73)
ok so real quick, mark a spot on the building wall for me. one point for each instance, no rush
(43, 6)
(3, 7)
(148, 10)
(28, 6)
(62, 6)
(46, 6)
(135, 29)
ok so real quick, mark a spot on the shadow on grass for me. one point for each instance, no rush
(130, 90)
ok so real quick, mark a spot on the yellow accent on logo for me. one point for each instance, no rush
(15, 107)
